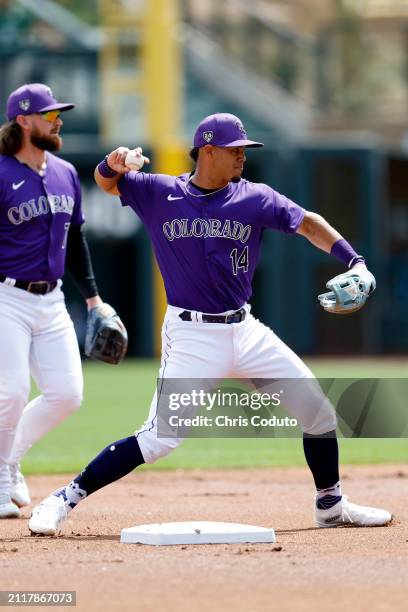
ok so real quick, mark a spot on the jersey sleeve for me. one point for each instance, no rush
(78, 217)
(279, 212)
(137, 191)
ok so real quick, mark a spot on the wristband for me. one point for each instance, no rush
(344, 252)
(105, 170)
(356, 260)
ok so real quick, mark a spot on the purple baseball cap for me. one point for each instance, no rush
(33, 98)
(222, 130)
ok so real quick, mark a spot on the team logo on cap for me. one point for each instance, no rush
(24, 104)
(208, 136)
(49, 92)
(241, 128)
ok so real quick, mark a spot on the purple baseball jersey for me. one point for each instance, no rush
(35, 216)
(207, 247)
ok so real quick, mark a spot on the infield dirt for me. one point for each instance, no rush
(307, 569)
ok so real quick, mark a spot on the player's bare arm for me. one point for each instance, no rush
(93, 302)
(318, 231)
(323, 236)
(118, 162)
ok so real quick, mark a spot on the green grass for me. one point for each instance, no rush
(117, 401)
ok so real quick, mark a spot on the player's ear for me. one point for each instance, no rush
(23, 121)
(208, 150)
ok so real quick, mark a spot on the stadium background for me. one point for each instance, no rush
(324, 83)
(326, 90)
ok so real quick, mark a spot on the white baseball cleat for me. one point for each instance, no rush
(8, 508)
(47, 517)
(19, 492)
(346, 513)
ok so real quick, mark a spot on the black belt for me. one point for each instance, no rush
(235, 317)
(37, 287)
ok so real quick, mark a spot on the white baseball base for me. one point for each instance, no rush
(196, 532)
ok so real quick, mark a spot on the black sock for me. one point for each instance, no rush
(322, 456)
(114, 462)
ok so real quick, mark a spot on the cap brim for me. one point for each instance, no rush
(62, 106)
(241, 143)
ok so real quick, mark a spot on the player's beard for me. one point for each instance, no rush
(49, 142)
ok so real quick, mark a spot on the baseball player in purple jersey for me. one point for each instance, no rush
(206, 229)
(40, 230)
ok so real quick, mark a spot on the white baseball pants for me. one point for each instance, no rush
(37, 336)
(249, 349)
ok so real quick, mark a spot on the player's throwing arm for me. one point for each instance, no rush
(120, 161)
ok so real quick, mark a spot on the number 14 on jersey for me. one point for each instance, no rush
(239, 261)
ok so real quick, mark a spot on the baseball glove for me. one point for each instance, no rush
(348, 291)
(106, 337)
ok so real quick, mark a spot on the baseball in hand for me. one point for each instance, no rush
(134, 159)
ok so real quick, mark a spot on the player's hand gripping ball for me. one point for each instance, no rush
(135, 160)
(348, 291)
(106, 336)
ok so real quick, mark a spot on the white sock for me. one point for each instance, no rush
(327, 498)
(71, 494)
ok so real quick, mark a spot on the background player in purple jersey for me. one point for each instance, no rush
(206, 231)
(40, 229)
